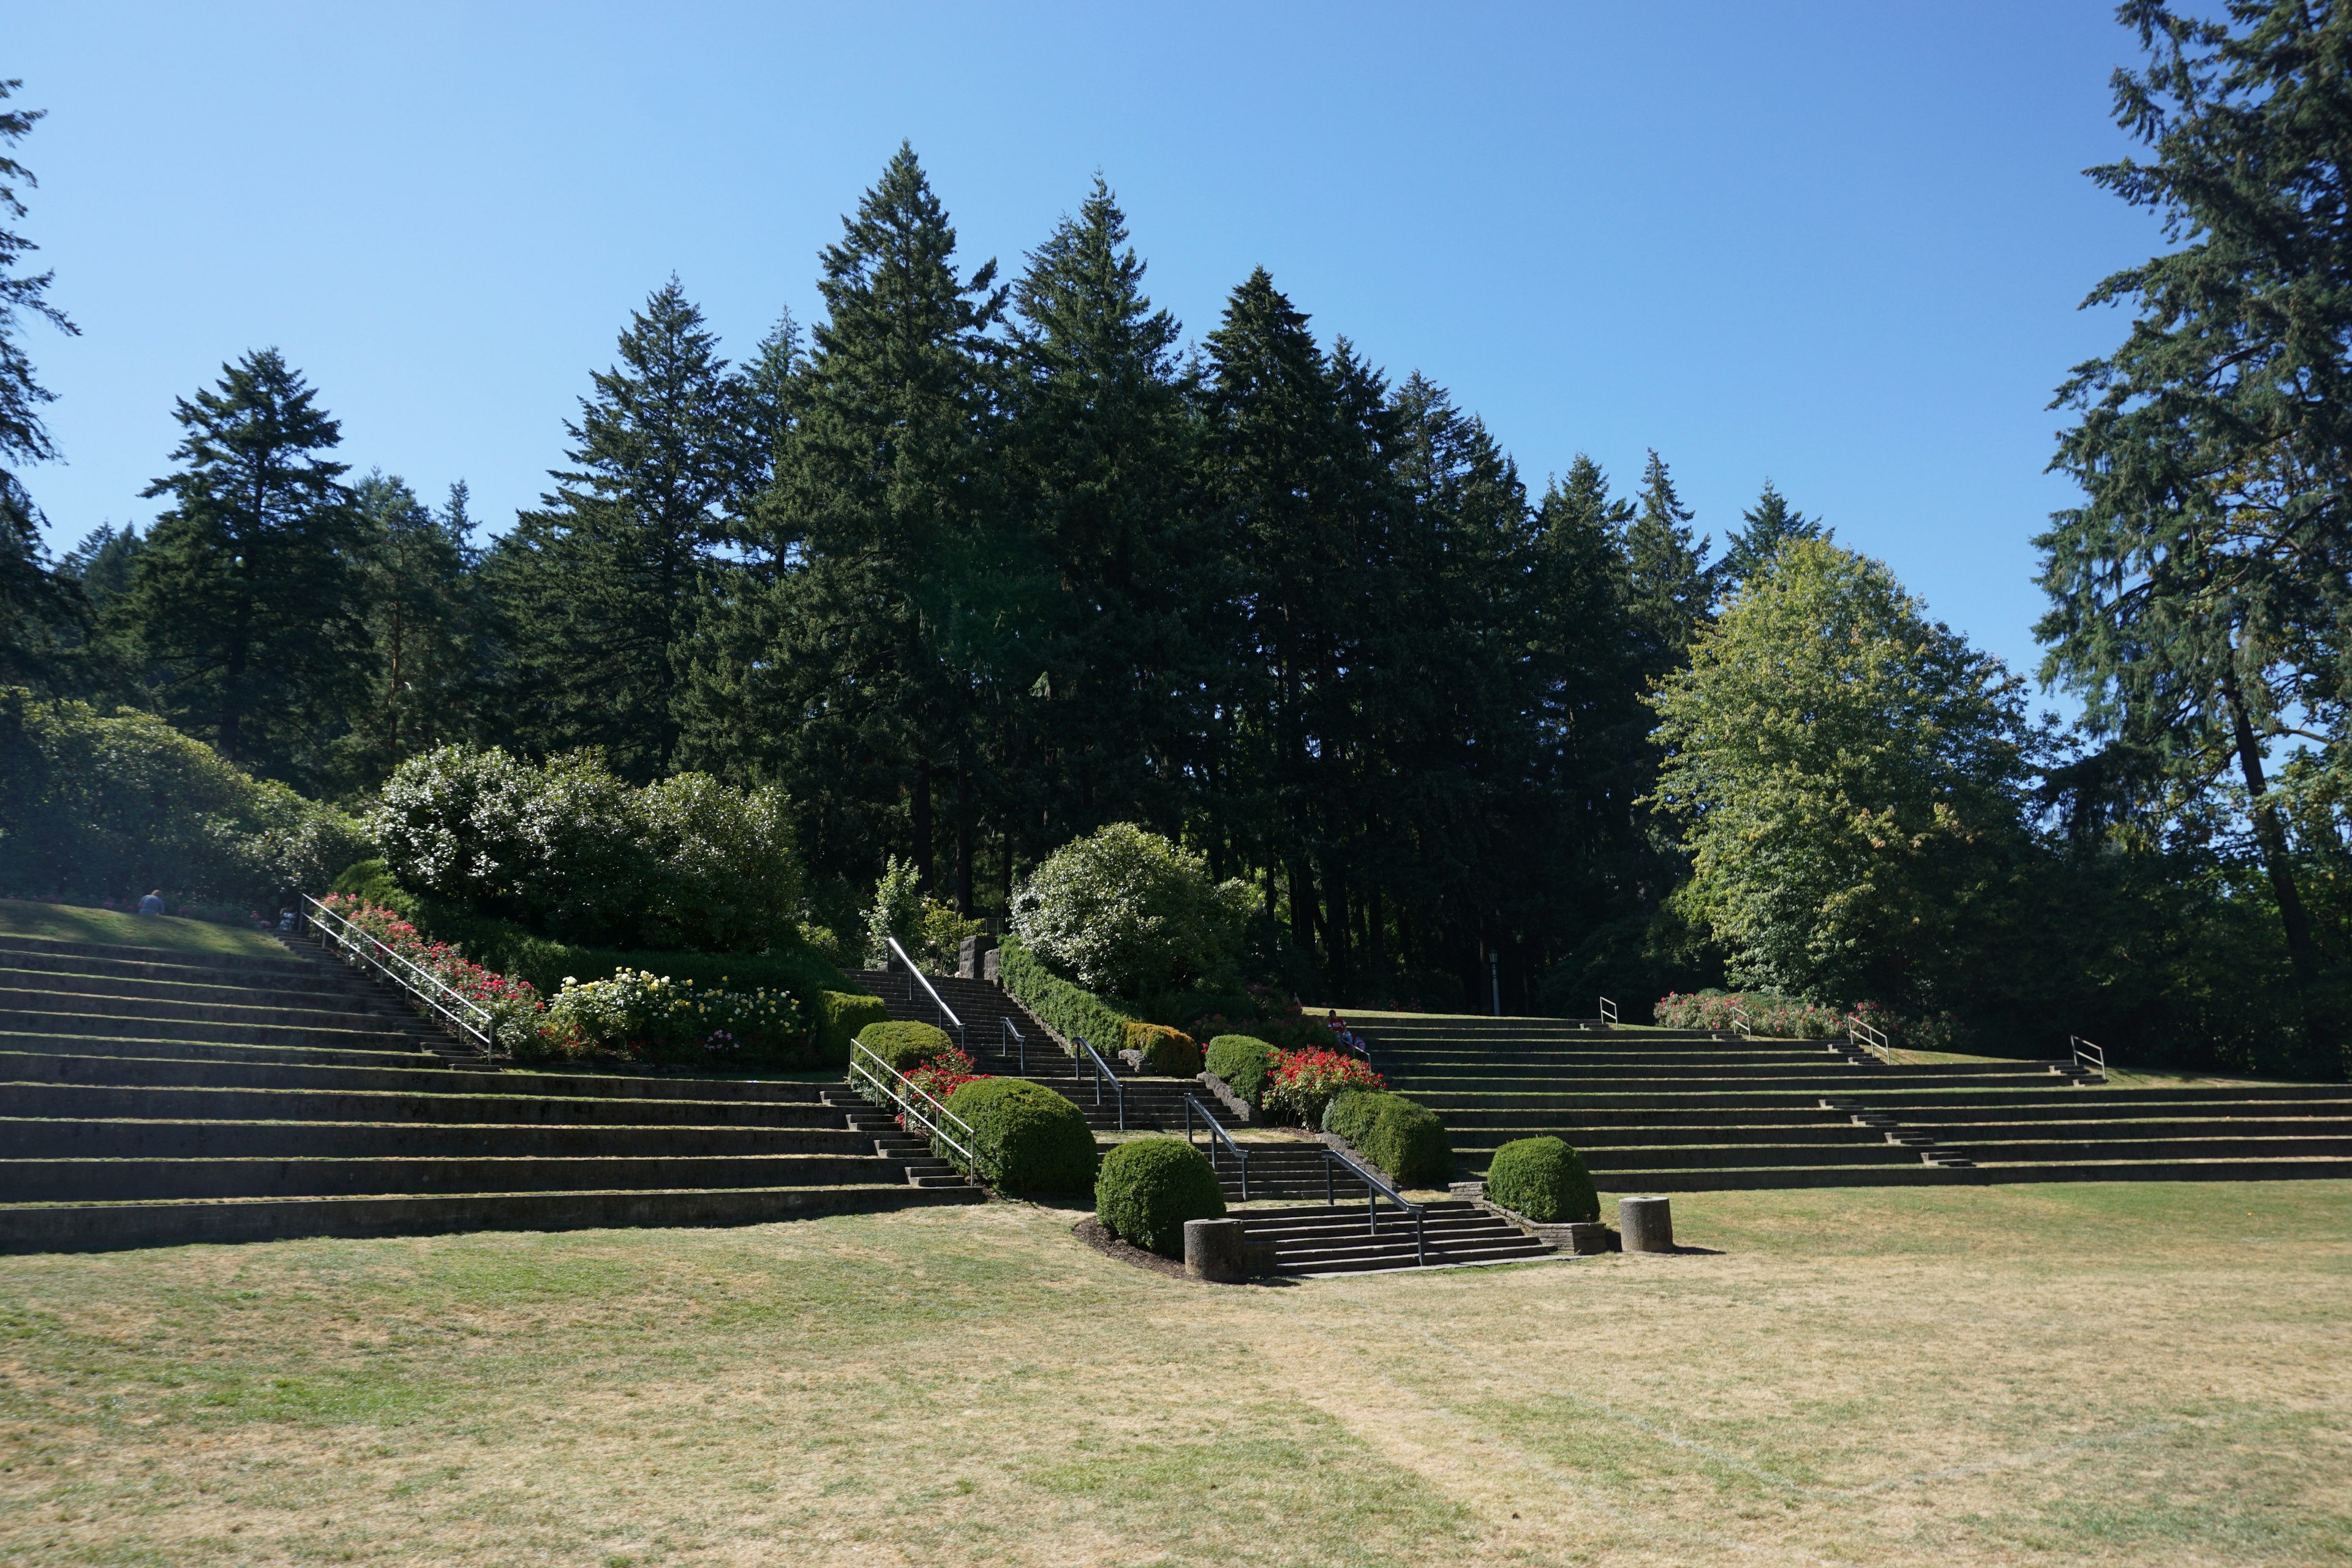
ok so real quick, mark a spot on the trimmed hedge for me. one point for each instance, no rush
(1544, 1180)
(1245, 1062)
(840, 1017)
(1070, 1010)
(1166, 1051)
(1029, 1138)
(1151, 1186)
(905, 1045)
(1401, 1136)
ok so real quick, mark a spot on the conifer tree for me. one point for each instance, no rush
(1669, 587)
(423, 603)
(1768, 524)
(245, 598)
(601, 591)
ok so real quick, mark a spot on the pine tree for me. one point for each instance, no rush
(853, 674)
(424, 610)
(601, 591)
(245, 600)
(1770, 524)
(1669, 587)
(38, 605)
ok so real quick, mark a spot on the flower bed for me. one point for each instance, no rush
(1303, 1082)
(1781, 1018)
(514, 1005)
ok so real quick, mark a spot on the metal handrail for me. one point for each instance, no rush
(1858, 1033)
(917, 1106)
(2088, 1055)
(1218, 1135)
(916, 970)
(1740, 1024)
(1375, 1189)
(1086, 1056)
(1020, 1043)
(1609, 1012)
(469, 1019)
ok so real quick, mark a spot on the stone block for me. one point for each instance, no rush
(1214, 1250)
(991, 966)
(1646, 1224)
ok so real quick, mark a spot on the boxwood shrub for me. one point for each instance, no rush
(1070, 1010)
(1166, 1050)
(905, 1045)
(1544, 1180)
(1151, 1186)
(841, 1017)
(1401, 1136)
(1245, 1062)
(1029, 1138)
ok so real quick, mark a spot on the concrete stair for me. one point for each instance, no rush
(149, 1097)
(1693, 1111)
(1341, 1240)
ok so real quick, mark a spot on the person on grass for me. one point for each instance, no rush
(153, 904)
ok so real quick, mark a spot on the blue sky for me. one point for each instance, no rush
(1838, 244)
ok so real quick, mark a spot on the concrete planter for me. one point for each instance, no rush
(1576, 1236)
(1241, 1108)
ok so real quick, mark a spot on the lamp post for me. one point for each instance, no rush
(1495, 974)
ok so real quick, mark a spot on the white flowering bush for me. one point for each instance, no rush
(1128, 912)
(896, 911)
(654, 1017)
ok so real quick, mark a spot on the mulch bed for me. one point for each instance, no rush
(1090, 1231)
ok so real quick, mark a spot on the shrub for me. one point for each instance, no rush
(905, 1045)
(1169, 1052)
(1246, 1063)
(517, 1014)
(1126, 912)
(896, 911)
(1305, 1081)
(841, 1015)
(1151, 1186)
(944, 1074)
(656, 1017)
(1030, 1139)
(1402, 1137)
(1070, 1010)
(96, 806)
(1543, 1179)
(1781, 1018)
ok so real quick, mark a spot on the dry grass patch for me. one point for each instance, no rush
(2079, 1374)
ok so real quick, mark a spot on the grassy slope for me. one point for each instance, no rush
(72, 922)
(2089, 1375)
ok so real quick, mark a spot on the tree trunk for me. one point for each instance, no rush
(964, 840)
(920, 808)
(2270, 834)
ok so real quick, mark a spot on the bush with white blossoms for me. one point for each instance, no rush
(1126, 912)
(654, 1017)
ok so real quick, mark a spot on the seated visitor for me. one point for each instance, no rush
(153, 904)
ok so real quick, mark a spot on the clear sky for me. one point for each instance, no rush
(1838, 244)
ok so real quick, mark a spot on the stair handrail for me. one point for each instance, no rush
(1741, 1025)
(1375, 1189)
(916, 970)
(2088, 1055)
(1875, 1041)
(1609, 1012)
(1086, 1056)
(1020, 1043)
(918, 1107)
(1218, 1135)
(469, 1018)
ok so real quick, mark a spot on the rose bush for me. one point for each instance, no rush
(1303, 1082)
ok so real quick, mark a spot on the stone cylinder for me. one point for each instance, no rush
(1214, 1250)
(1646, 1224)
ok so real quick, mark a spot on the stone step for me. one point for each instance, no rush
(18, 1022)
(263, 1068)
(97, 1047)
(176, 1010)
(60, 977)
(155, 957)
(122, 1138)
(68, 1181)
(209, 1103)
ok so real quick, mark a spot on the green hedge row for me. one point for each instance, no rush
(1401, 1136)
(1246, 1063)
(1070, 1010)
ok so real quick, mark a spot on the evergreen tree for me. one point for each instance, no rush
(853, 674)
(422, 602)
(38, 605)
(2199, 593)
(601, 592)
(245, 600)
(1770, 524)
(1668, 586)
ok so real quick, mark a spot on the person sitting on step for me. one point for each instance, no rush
(153, 904)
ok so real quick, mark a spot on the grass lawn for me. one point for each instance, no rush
(2128, 1374)
(72, 922)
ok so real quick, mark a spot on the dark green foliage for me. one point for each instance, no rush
(1166, 1051)
(1668, 584)
(904, 1045)
(1245, 1063)
(246, 602)
(1030, 1139)
(1544, 1180)
(1771, 523)
(841, 1015)
(1401, 1136)
(1151, 1186)
(428, 671)
(1070, 1010)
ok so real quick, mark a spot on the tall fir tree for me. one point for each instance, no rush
(1765, 526)
(245, 600)
(1669, 588)
(424, 613)
(601, 592)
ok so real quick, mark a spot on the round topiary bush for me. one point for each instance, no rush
(1407, 1140)
(1245, 1062)
(1150, 1187)
(905, 1045)
(1544, 1180)
(1030, 1139)
(1351, 1112)
(1166, 1051)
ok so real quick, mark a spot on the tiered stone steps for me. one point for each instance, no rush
(1657, 1110)
(1339, 1240)
(149, 1097)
